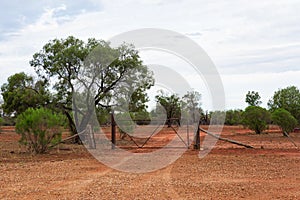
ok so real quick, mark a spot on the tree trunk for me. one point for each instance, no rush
(72, 126)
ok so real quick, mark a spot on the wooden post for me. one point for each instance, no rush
(188, 135)
(197, 137)
(113, 132)
(197, 140)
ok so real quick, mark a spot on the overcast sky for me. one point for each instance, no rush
(255, 45)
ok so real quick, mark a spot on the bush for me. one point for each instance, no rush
(217, 117)
(8, 121)
(233, 117)
(288, 99)
(284, 119)
(256, 118)
(39, 128)
(141, 117)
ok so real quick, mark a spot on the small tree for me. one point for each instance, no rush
(142, 117)
(94, 67)
(233, 117)
(191, 103)
(253, 98)
(217, 117)
(22, 92)
(172, 105)
(39, 128)
(285, 120)
(287, 98)
(256, 118)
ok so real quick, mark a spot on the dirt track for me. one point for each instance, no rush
(271, 171)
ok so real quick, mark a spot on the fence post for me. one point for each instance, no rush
(197, 137)
(113, 131)
(188, 134)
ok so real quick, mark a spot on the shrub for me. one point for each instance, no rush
(284, 119)
(217, 117)
(8, 121)
(233, 117)
(39, 128)
(141, 117)
(256, 118)
(287, 98)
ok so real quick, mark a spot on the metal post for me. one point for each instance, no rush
(113, 132)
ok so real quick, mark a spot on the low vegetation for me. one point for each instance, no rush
(116, 81)
(256, 118)
(285, 120)
(39, 129)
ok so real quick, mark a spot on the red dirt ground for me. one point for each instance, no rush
(270, 171)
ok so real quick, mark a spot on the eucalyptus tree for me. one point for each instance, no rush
(92, 73)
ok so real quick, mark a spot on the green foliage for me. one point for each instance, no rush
(109, 74)
(59, 62)
(288, 99)
(21, 92)
(103, 115)
(233, 117)
(172, 106)
(125, 123)
(191, 104)
(139, 98)
(158, 113)
(142, 117)
(8, 121)
(217, 117)
(39, 128)
(256, 118)
(284, 119)
(253, 98)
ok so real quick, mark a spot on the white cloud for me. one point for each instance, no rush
(237, 85)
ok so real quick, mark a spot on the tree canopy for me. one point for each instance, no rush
(256, 118)
(191, 101)
(22, 92)
(288, 99)
(233, 117)
(284, 120)
(172, 106)
(95, 73)
(253, 98)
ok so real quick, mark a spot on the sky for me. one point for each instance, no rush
(255, 45)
